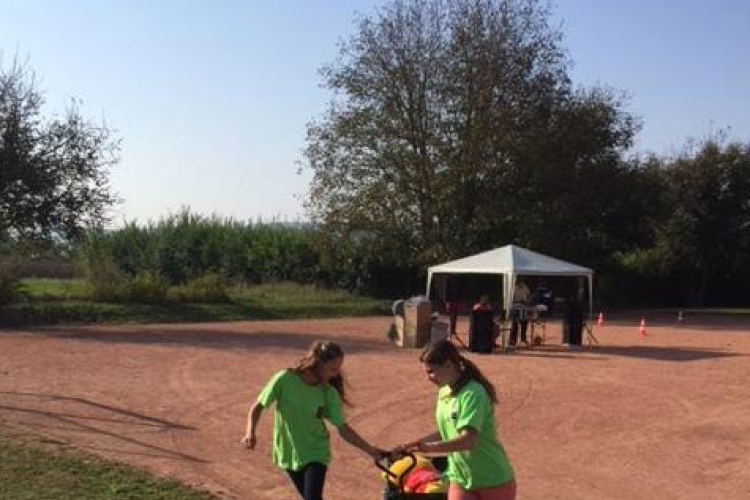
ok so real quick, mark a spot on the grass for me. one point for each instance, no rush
(48, 302)
(42, 290)
(31, 471)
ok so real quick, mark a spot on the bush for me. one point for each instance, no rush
(110, 285)
(147, 287)
(186, 245)
(211, 288)
(9, 282)
(107, 283)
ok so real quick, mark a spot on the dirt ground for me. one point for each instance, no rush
(665, 417)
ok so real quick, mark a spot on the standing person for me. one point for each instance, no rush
(483, 304)
(543, 295)
(306, 395)
(573, 326)
(452, 306)
(478, 467)
(519, 313)
(483, 330)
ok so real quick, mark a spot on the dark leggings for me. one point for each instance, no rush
(309, 480)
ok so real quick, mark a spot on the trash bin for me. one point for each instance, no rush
(439, 330)
(417, 322)
(573, 323)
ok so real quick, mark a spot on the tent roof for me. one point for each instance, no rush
(511, 259)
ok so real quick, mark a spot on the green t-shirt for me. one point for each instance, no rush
(487, 464)
(299, 434)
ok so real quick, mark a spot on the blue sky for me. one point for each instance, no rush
(211, 98)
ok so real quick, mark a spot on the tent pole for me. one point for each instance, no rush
(511, 289)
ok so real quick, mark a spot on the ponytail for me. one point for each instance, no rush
(472, 372)
(442, 351)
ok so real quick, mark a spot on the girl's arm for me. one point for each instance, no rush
(353, 438)
(412, 445)
(464, 442)
(253, 415)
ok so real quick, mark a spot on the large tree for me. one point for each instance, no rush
(703, 244)
(455, 127)
(53, 172)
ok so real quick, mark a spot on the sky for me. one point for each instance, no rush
(211, 98)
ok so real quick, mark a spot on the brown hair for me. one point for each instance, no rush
(442, 351)
(323, 351)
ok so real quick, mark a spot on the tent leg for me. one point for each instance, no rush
(455, 336)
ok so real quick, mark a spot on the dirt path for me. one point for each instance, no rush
(663, 418)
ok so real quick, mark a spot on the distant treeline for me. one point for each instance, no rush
(695, 249)
(185, 246)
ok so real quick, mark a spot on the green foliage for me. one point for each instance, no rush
(147, 287)
(704, 238)
(635, 278)
(50, 265)
(42, 290)
(110, 284)
(107, 281)
(211, 288)
(54, 172)
(699, 252)
(185, 246)
(287, 293)
(272, 301)
(27, 471)
(456, 129)
(9, 281)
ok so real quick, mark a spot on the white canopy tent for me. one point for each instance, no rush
(512, 261)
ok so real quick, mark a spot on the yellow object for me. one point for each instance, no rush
(436, 487)
(399, 467)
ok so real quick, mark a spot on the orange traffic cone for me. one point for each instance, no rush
(600, 321)
(642, 329)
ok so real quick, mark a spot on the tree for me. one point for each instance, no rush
(455, 128)
(704, 243)
(53, 173)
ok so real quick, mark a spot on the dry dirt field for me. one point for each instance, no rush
(665, 417)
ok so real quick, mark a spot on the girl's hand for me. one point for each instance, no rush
(249, 441)
(412, 447)
(418, 447)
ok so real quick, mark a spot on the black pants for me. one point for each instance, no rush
(524, 324)
(453, 318)
(309, 480)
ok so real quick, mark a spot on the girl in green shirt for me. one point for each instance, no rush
(478, 467)
(305, 396)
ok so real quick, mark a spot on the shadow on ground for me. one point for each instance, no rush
(691, 320)
(677, 354)
(215, 338)
(30, 411)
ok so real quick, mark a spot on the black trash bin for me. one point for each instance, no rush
(573, 325)
(481, 331)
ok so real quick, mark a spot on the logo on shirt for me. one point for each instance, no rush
(454, 411)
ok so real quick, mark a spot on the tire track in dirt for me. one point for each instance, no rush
(229, 470)
(204, 414)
